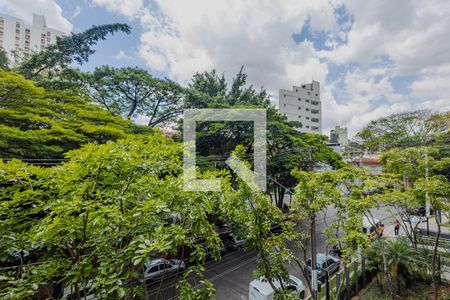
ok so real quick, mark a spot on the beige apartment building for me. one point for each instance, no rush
(19, 39)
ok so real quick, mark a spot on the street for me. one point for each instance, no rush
(233, 273)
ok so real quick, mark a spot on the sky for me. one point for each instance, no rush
(372, 58)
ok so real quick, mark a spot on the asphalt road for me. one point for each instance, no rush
(233, 273)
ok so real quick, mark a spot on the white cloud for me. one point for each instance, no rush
(76, 13)
(24, 9)
(414, 39)
(433, 91)
(121, 55)
(182, 38)
(386, 39)
(365, 95)
(128, 8)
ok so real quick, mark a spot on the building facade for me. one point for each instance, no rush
(339, 135)
(19, 39)
(303, 104)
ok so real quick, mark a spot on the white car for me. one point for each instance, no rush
(260, 289)
(414, 218)
(156, 269)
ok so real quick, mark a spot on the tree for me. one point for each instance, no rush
(398, 261)
(208, 89)
(4, 61)
(76, 47)
(418, 169)
(435, 190)
(41, 124)
(131, 92)
(287, 148)
(90, 223)
(408, 129)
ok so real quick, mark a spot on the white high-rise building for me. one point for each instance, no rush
(18, 38)
(339, 135)
(303, 104)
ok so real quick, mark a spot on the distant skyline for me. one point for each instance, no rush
(372, 58)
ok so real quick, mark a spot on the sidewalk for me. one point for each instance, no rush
(445, 230)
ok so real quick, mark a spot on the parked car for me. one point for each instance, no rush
(419, 211)
(324, 263)
(275, 228)
(260, 289)
(155, 269)
(210, 253)
(414, 218)
(233, 242)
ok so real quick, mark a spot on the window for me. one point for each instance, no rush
(296, 90)
(284, 104)
(153, 269)
(17, 25)
(309, 93)
(299, 108)
(307, 126)
(303, 86)
(315, 120)
(307, 101)
(299, 99)
(307, 118)
(314, 102)
(299, 117)
(284, 95)
(307, 109)
(314, 111)
(17, 31)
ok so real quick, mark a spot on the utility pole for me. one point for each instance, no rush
(427, 202)
(312, 226)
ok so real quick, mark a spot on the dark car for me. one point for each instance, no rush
(324, 263)
(419, 211)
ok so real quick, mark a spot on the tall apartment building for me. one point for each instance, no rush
(303, 104)
(18, 38)
(339, 135)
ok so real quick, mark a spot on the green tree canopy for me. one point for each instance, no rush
(407, 129)
(208, 89)
(92, 221)
(132, 92)
(76, 47)
(39, 123)
(4, 61)
(287, 148)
